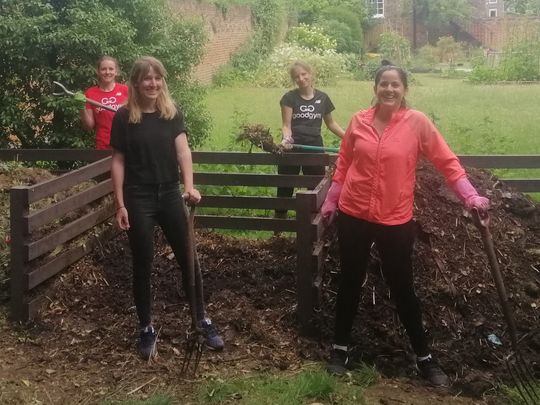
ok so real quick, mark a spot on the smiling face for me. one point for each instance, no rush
(302, 77)
(106, 72)
(390, 90)
(150, 86)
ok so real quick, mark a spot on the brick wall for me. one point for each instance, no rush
(227, 31)
(497, 33)
(491, 32)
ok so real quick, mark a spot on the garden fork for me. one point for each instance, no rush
(66, 92)
(520, 373)
(194, 337)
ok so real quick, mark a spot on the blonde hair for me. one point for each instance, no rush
(110, 58)
(164, 103)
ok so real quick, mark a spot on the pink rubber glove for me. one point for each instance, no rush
(329, 207)
(469, 196)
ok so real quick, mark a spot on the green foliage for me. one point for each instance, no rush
(396, 48)
(310, 385)
(310, 37)
(268, 18)
(518, 63)
(527, 7)
(309, 11)
(344, 24)
(448, 50)
(46, 40)
(438, 16)
(328, 66)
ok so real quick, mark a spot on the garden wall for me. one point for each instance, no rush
(227, 31)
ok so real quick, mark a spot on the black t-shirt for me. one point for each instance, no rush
(307, 115)
(148, 147)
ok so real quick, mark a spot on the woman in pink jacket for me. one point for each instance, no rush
(372, 193)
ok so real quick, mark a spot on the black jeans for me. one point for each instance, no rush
(395, 246)
(148, 205)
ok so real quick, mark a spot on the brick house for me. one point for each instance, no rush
(490, 26)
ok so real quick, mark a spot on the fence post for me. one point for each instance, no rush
(19, 209)
(305, 200)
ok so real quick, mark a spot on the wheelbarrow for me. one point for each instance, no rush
(66, 92)
(517, 367)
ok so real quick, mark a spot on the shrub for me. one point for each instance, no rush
(350, 39)
(328, 66)
(310, 37)
(395, 48)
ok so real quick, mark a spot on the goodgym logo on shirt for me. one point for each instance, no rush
(110, 101)
(306, 111)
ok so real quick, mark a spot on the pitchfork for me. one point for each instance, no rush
(66, 92)
(194, 337)
(521, 374)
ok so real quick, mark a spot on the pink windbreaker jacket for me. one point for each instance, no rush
(378, 174)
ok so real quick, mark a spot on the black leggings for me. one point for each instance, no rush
(395, 245)
(148, 205)
(288, 191)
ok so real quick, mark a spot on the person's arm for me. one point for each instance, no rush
(87, 118)
(117, 175)
(286, 126)
(333, 126)
(183, 156)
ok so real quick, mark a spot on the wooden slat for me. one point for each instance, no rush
(49, 187)
(524, 185)
(18, 207)
(247, 223)
(247, 202)
(501, 161)
(55, 211)
(256, 180)
(304, 270)
(244, 158)
(68, 232)
(33, 155)
(322, 190)
(63, 260)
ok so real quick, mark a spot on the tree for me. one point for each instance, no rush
(437, 16)
(46, 40)
(527, 7)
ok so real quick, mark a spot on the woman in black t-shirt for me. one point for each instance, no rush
(302, 112)
(149, 143)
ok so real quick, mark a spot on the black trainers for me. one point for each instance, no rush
(146, 345)
(212, 339)
(432, 371)
(338, 363)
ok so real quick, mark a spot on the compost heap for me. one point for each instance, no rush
(250, 291)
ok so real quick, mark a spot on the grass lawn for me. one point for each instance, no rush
(474, 119)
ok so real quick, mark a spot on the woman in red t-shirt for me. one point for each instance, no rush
(107, 92)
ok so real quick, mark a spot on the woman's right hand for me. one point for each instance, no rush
(330, 205)
(287, 140)
(122, 219)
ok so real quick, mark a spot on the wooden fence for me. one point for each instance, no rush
(30, 265)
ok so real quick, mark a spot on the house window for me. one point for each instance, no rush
(493, 12)
(377, 7)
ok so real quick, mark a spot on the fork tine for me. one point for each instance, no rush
(523, 379)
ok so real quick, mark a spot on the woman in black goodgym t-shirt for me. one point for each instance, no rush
(302, 113)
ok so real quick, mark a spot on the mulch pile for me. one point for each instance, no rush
(90, 322)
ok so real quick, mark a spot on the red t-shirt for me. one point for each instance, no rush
(103, 118)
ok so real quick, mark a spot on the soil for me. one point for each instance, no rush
(81, 348)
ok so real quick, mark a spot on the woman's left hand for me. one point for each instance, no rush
(192, 196)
